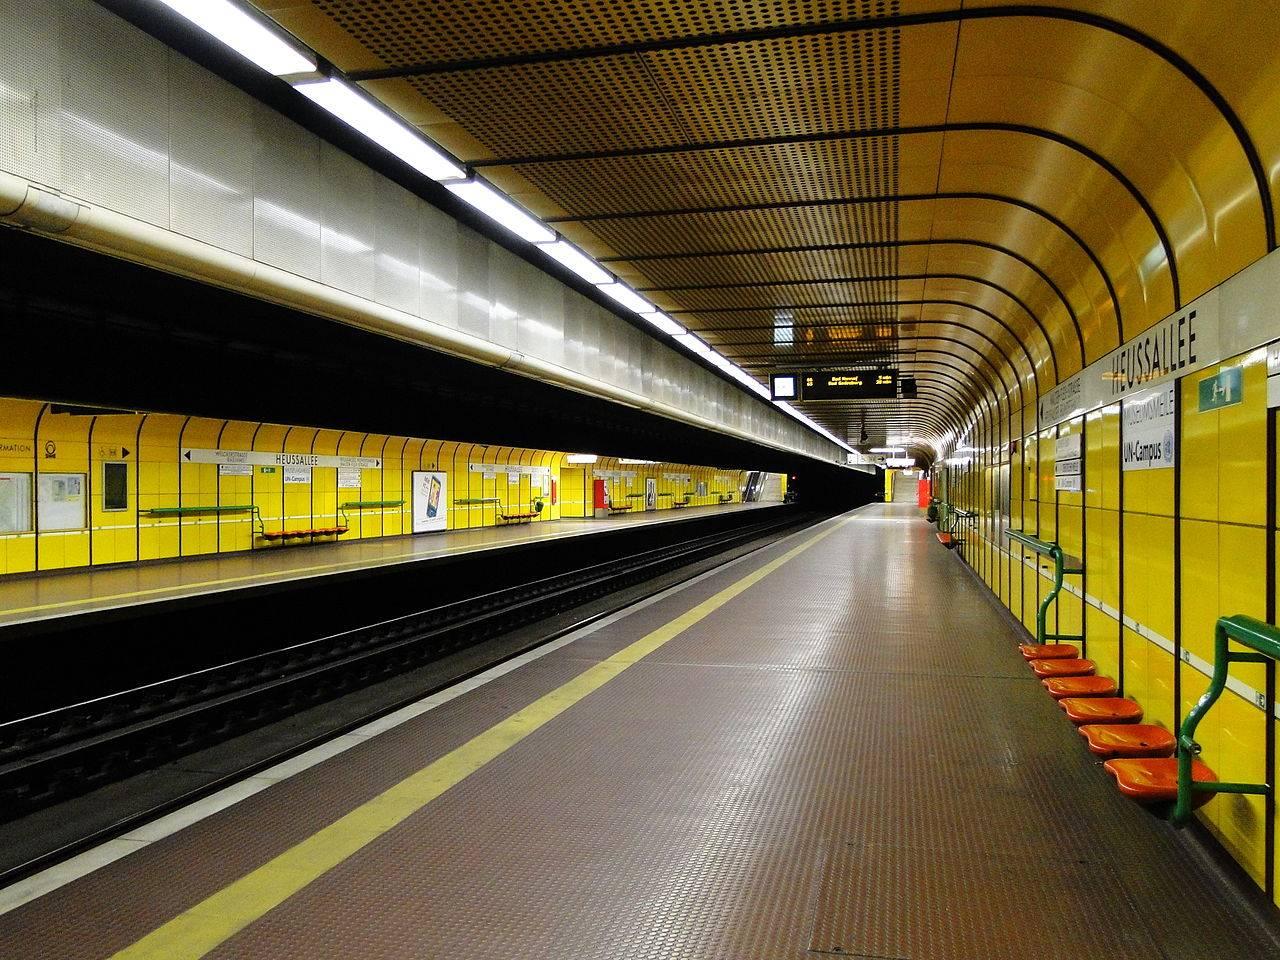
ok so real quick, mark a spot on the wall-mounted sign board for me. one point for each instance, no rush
(1273, 374)
(1067, 463)
(1148, 440)
(849, 384)
(1224, 389)
(191, 455)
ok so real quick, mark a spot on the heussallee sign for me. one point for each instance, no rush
(1172, 348)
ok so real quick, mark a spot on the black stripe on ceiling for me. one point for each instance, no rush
(817, 359)
(1139, 197)
(1036, 11)
(868, 245)
(1031, 365)
(823, 281)
(854, 201)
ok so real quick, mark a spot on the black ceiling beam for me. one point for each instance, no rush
(863, 24)
(817, 360)
(821, 281)
(704, 332)
(873, 303)
(835, 136)
(866, 245)
(854, 201)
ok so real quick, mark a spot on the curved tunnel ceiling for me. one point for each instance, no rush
(988, 195)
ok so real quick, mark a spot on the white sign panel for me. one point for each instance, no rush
(296, 474)
(1148, 440)
(235, 470)
(1273, 375)
(1185, 342)
(261, 458)
(430, 496)
(1066, 466)
(348, 478)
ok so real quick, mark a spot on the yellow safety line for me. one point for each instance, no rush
(290, 572)
(195, 932)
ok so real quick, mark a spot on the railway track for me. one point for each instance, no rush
(58, 754)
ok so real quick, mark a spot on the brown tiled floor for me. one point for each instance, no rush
(848, 759)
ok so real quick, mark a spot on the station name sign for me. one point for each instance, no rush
(1178, 345)
(262, 458)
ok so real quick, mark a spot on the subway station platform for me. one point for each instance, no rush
(828, 747)
(28, 598)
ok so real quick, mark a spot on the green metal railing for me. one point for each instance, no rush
(1264, 640)
(215, 508)
(475, 501)
(366, 504)
(1062, 565)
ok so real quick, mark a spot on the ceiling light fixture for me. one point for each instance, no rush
(624, 295)
(663, 323)
(495, 205)
(245, 34)
(574, 259)
(360, 113)
(694, 343)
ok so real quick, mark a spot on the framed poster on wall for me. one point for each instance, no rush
(430, 501)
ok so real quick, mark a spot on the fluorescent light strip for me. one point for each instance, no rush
(627, 297)
(359, 112)
(570, 256)
(663, 323)
(244, 34)
(694, 343)
(495, 205)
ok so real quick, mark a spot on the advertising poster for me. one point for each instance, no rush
(430, 501)
(650, 493)
(1148, 440)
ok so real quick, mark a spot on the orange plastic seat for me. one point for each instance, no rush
(1155, 779)
(1049, 651)
(1086, 686)
(1128, 740)
(1081, 710)
(1062, 668)
(944, 539)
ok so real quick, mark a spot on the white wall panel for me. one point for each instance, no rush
(210, 158)
(397, 247)
(348, 229)
(475, 299)
(100, 110)
(286, 183)
(30, 90)
(115, 114)
(438, 265)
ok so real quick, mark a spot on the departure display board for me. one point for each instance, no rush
(848, 384)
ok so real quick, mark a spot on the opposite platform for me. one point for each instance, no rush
(830, 747)
(28, 598)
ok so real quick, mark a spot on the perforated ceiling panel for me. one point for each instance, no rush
(421, 31)
(1048, 179)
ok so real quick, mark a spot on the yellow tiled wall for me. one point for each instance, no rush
(1166, 552)
(37, 439)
